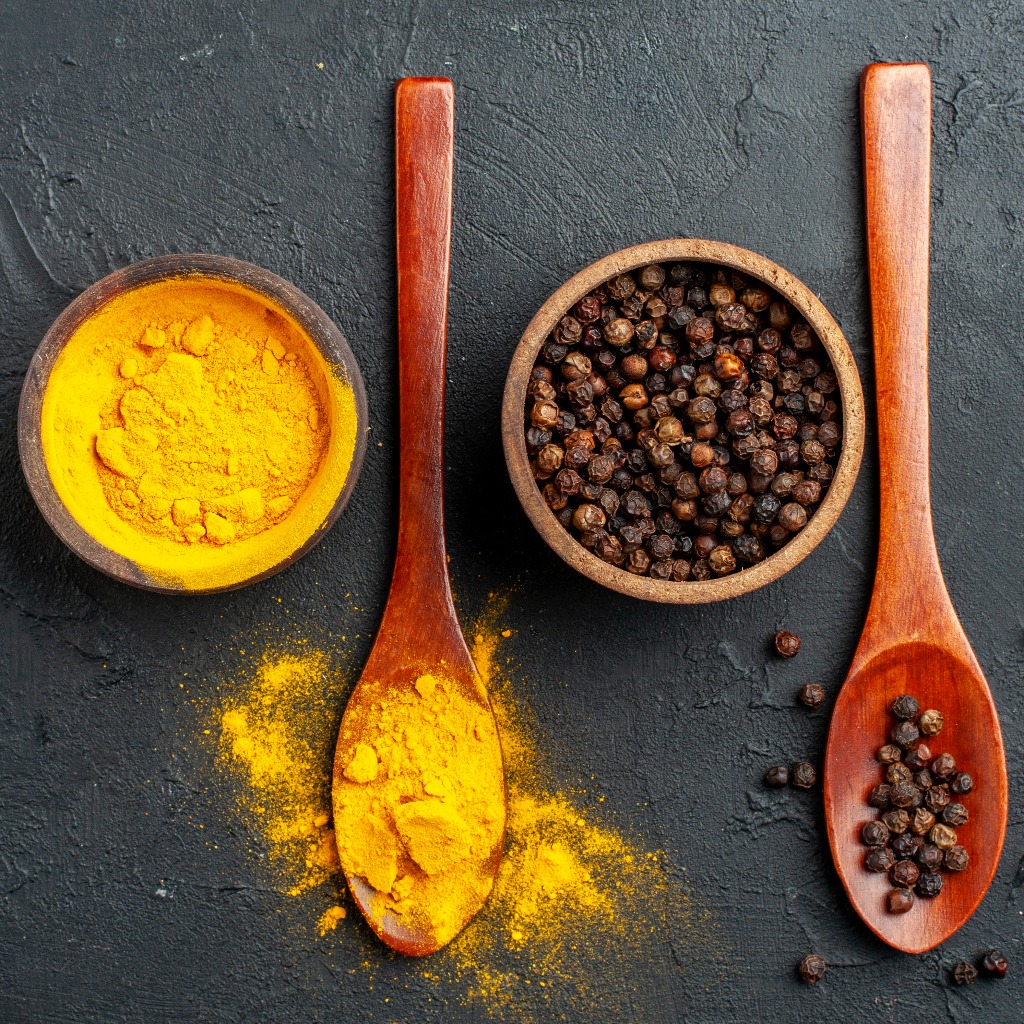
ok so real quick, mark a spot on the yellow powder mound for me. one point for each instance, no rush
(192, 426)
(420, 808)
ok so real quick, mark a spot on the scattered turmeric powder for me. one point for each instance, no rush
(419, 807)
(192, 426)
(584, 921)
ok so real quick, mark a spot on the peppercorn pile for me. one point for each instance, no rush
(914, 840)
(681, 423)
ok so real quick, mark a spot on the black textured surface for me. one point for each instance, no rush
(132, 129)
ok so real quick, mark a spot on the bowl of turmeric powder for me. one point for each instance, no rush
(192, 424)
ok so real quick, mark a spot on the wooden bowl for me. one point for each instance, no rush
(562, 542)
(326, 337)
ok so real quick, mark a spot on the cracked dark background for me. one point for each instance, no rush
(263, 131)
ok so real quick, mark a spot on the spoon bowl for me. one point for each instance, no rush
(942, 676)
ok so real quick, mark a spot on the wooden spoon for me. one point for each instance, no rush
(912, 641)
(419, 631)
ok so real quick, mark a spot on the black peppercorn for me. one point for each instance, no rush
(956, 859)
(897, 821)
(904, 874)
(874, 833)
(995, 964)
(906, 845)
(954, 815)
(905, 707)
(936, 798)
(879, 859)
(964, 973)
(691, 372)
(929, 884)
(803, 775)
(777, 776)
(930, 857)
(917, 757)
(812, 969)
(812, 695)
(943, 767)
(889, 754)
(930, 723)
(899, 901)
(921, 821)
(942, 836)
(898, 772)
(787, 644)
(961, 783)
(904, 734)
(880, 797)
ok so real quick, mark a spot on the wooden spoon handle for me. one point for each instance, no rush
(424, 130)
(896, 110)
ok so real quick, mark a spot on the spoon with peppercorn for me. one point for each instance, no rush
(913, 652)
(447, 869)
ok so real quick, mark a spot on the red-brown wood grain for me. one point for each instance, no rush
(419, 630)
(912, 641)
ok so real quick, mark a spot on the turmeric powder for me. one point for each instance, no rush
(584, 922)
(192, 426)
(419, 803)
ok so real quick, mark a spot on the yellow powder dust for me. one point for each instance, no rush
(284, 771)
(419, 809)
(330, 919)
(584, 922)
(189, 425)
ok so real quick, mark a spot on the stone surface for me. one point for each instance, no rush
(264, 131)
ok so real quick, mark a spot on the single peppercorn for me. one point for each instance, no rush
(954, 815)
(777, 776)
(896, 821)
(905, 707)
(917, 757)
(921, 821)
(930, 723)
(904, 874)
(899, 901)
(995, 964)
(880, 797)
(803, 775)
(936, 798)
(898, 772)
(964, 973)
(961, 783)
(942, 836)
(787, 644)
(812, 695)
(906, 845)
(874, 833)
(929, 884)
(930, 857)
(889, 753)
(944, 767)
(812, 969)
(904, 794)
(956, 858)
(879, 859)
(904, 734)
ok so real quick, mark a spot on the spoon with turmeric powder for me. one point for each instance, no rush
(419, 783)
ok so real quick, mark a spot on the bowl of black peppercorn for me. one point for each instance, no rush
(683, 421)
